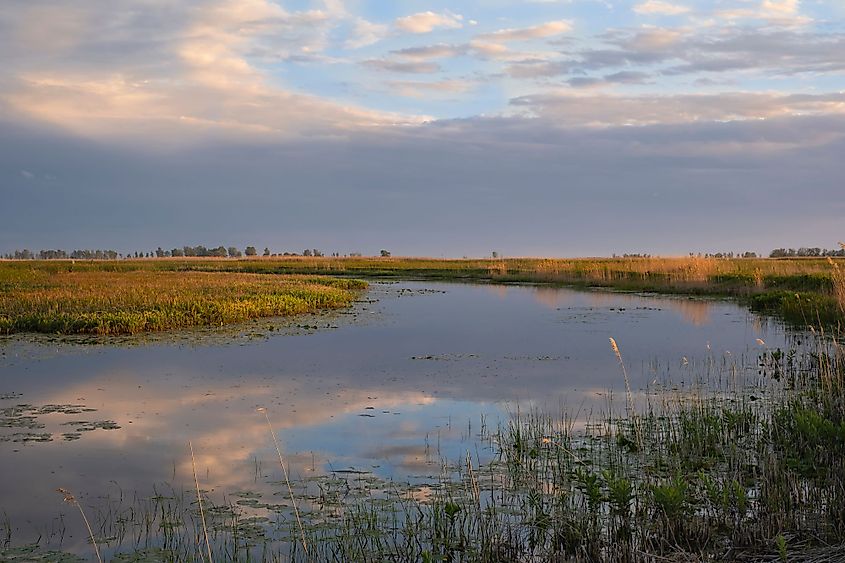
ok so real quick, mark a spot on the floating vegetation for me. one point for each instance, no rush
(29, 417)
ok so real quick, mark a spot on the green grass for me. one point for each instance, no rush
(105, 299)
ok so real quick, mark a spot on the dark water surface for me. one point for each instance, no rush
(391, 388)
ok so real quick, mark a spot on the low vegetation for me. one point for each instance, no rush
(805, 291)
(69, 298)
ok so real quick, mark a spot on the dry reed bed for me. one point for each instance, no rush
(805, 291)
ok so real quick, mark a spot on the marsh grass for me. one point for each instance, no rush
(43, 298)
(131, 296)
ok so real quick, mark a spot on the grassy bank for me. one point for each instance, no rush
(804, 291)
(101, 299)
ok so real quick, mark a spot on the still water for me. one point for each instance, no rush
(390, 388)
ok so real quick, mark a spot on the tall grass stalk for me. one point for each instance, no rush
(287, 479)
(70, 499)
(630, 410)
(199, 501)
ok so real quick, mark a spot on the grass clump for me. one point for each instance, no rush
(43, 298)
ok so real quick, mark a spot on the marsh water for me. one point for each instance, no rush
(407, 378)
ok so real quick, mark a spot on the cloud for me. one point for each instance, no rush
(27, 174)
(425, 22)
(365, 33)
(547, 29)
(673, 52)
(550, 175)
(201, 75)
(538, 68)
(782, 12)
(572, 110)
(412, 67)
(426, 52)
(627, 77)
(653, 39)
(659, 7)
(488, 49)
(623, 77)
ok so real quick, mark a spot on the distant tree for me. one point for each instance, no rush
(384, 253)
(495, 254)
(250, 251)
(307, 252)
(233, 252)
(266, 251)
(316, 252)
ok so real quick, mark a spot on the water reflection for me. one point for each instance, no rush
(392, 396)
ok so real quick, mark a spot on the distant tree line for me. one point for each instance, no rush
(700, 255)
(198, 251)
(731, 255)
(27, 254)
(803, 251)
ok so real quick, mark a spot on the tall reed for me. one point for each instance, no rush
(70, 499)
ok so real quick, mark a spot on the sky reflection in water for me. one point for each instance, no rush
(404, 382)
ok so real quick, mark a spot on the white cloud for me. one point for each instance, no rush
(661, 8)
(489, 49)
(781, 12)
(425, 22)
(547, 29)
(365, 33)
(204, 77)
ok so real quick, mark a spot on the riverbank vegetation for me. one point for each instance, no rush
(805, 291)
(80, 299)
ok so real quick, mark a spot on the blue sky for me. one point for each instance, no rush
(569, 127)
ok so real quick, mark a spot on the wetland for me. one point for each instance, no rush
(430, 421)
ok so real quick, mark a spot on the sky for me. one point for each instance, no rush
(540, 127)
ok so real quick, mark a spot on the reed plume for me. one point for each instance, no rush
(70, 499)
